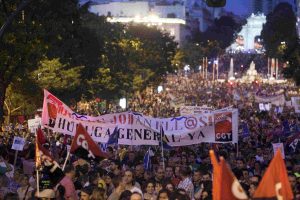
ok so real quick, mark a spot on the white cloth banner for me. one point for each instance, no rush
(278, 100)
(136, 129)
(296, 104)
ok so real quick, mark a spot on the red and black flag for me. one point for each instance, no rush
(84, 147)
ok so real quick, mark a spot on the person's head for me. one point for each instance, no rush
(136, 196)
(69, 171)
(158, 187)
(184, 160)
(163, 195)
(139, 171)
(24, 181)
(197, 176)
(255, 179)
(129, 177)
(159, 173)
(108, 178)
(150, 186)
(147, 175)
(125, 195)
(170, 187)
(258, 151)
(240, 164)
(131, 156)
(110, 152)
(292, 180)
(60, 192)
(252, 188)
(185, 172)
(206, 176)
(98, 194)
(169, 173)
(118, 183)
(192, 158)
(114, 164)
(93, 177)
(86, 193)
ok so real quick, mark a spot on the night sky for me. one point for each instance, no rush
(242, 7)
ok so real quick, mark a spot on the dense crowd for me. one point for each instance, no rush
(188, 171)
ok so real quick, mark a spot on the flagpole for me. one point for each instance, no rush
(67, 158)
(237, 149)
(37, 182)
(162, 146)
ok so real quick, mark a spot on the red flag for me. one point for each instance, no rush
(41, 153)
(216, 175)
(275, 183)
(40, 136)
(230, 188)
(84, 146)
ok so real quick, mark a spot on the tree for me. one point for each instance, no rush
(50, 29)
(224, 30)
(134, 57)
(19, 48)
(60, 46)
(281, 40)
(279, 33)
(60, 78)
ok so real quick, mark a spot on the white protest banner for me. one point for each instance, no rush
(193, 110)
(264, 106)
(136, 129)
(278, 100)
(296, 104)
(278, 146)
(18, 143)
(34, 124)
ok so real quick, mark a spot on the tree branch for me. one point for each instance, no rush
(6, 105)
(4, 8)
(14, 110)
(12, 16)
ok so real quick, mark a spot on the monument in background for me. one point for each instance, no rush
(248, 38)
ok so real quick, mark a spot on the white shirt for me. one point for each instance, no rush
(188, 186)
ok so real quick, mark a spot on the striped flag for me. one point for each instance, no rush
(147, 160)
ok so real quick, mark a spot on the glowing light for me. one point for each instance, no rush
(147, 20)
(160, 89)
(123, 103)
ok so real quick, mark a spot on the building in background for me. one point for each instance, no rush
(167, 17)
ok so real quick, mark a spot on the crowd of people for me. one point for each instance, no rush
(184, 173)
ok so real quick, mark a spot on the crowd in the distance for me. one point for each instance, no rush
(188, 172)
